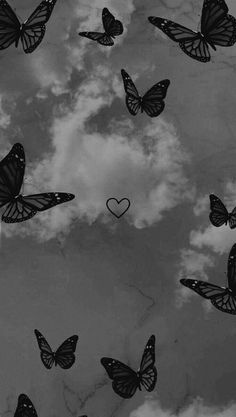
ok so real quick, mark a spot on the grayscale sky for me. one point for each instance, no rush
(76, 269)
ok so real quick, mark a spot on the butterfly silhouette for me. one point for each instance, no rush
(217, 28)
(18, 207)
(112, 29)
(25, 407)
(152, 102)
(31, 32)
(64, 355)
(222, 298)
(125, 380)
(219, 214)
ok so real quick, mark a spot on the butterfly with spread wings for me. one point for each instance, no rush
(224, 299)
(25, 407)
(219, 214)
(112, 28)
(22, 207)
(125, 380)
(217, 28)
(152, 102)
(31, 32)
(64, 355)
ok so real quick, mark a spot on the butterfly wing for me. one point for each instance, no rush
(218, 27)
(125, 380)
(232, 219)
(64, 355)
(9, 25)
(25, 407)
(152, 102)
(25, 207)
(219, 214)
(12, 169)
(231, 269)
(132, 95)
(205, 289)
(46, 352)
(192, 43)
(225, 302)
(102, 38)
(34, 28)
(147, 371)
(111, 26)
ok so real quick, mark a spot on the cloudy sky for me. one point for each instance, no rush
(76, 269)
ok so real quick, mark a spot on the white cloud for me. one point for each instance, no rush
(202, 205)
(152, 408)
(145, 165)
(220, 239)
(192, 265)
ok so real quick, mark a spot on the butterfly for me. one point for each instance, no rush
(64, 355)
(219, 214)
(25, 407)
(152, 102)
(112, 29)
(217, 28)
(125, 380)
(31, 32)
(222, 298)
(18, 207)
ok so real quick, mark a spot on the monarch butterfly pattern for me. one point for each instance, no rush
(219, 214)
(31, 32)
(152, 102)
(64, 355)
(112, 28)
(125, 381)
(224, 299)
(18, 208)
(217, 28)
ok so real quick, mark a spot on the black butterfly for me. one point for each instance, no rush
(219, 214)
(31, 32)
(25, 407)
(18, 207)
(152, 102)
(112, 29)
(217, 28)
(64, 355)
(222, 298)
(125, 380)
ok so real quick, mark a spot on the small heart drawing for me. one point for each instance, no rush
(118, 207)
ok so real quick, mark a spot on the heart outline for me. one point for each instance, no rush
(118, 202)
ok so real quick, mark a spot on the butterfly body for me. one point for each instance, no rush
(125, 381)
(217, 28)
(224, 299)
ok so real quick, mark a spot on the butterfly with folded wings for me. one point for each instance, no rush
(152, 102)
(219, 214)
(18, 207)
(125, 381)
(112, 28)
(64, 355)
(31, 32)
(217, 28)
(224, 299)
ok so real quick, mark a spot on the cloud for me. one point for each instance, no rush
(145, 165)
(152, 408)
(192, 265)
